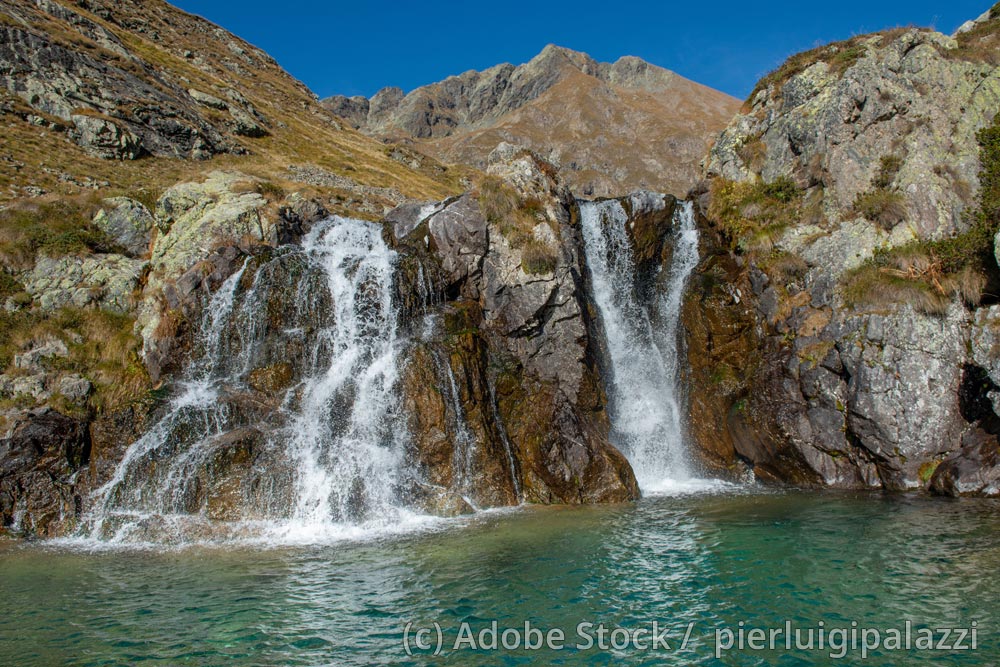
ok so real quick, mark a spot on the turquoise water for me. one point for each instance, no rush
(713, 561)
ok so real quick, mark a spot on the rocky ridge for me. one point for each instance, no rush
(585, 116)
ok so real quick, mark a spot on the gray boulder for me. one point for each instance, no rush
(107, 281)
(128, 223)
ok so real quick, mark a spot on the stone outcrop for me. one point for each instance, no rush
(791, 376)
(203, 232)
(502, 388)
(104, 281)
(128, 223)
(572, 110)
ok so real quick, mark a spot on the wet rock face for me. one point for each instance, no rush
(38, 459)
(502, 388)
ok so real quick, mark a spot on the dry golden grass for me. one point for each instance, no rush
(752, 215)
(102, 347)
(982, 43)
(301, 132)
(883, 206)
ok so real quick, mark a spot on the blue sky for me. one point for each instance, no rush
(358, 47)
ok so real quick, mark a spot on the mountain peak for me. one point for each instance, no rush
(566, 106)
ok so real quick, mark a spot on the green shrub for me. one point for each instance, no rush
(9, 286)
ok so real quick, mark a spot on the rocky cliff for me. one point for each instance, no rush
(841, 325)
(507, 351)
(612, 128)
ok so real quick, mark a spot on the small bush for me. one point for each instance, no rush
(537, 257)
(497, 201)
(883, 206)
(782, 266)
(9, 286)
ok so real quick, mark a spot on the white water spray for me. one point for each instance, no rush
(326, 463)
(643, 343)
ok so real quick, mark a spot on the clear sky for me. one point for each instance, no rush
(358, 47)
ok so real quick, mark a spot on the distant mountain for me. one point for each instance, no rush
(611, 127)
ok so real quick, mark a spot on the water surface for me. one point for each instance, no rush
(710, 560)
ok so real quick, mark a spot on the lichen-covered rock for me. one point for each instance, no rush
(829, 129)
(116, 102)
(812, 387)
(105, 138)
(107, 281)
(40, 353)
(196, 221)
(128, 223)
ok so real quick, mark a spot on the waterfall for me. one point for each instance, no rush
(642, 341)
(321, 460)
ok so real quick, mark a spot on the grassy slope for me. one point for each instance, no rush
(302, 132)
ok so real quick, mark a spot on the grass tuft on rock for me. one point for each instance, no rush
(883, 206)
(54, 229)
(517, 217)
(538, 257)
(753, 214)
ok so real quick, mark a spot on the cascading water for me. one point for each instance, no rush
(324, 459)
(643, 342)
